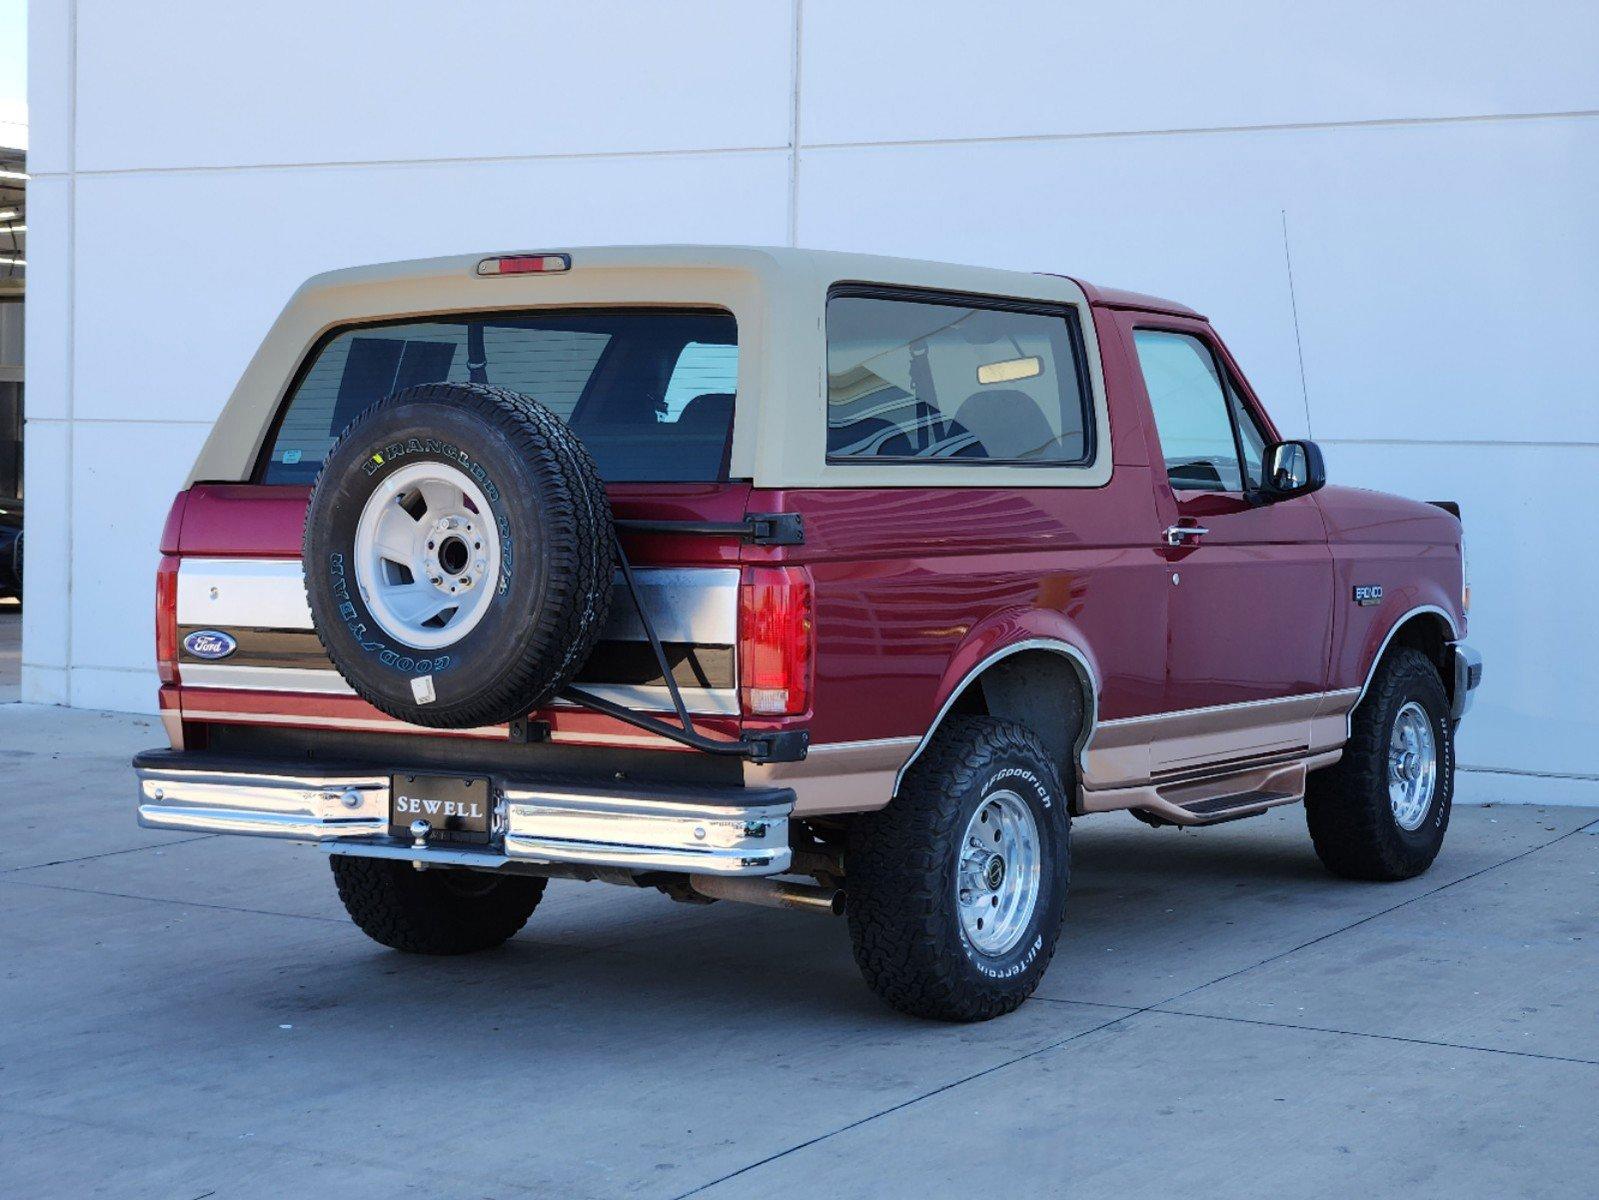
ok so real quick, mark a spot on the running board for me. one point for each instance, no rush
(1243, 804)
(1225, 796)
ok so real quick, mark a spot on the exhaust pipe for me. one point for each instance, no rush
(770, 892)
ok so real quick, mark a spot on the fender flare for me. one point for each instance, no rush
(1082, 663)
(1404, 619)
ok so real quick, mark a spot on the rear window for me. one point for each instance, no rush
(649, 392)
(911, 380)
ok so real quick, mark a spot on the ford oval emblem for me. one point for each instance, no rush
(210, 643)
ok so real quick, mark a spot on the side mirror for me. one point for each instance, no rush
(1292, 469)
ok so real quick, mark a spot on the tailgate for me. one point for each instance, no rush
(239, 576)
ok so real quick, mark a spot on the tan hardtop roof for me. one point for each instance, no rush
(778, 295)
(757, 260)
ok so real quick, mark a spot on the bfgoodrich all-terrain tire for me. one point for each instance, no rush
(1381, 812)
(957, 890)
(433, 911)
(458, 555)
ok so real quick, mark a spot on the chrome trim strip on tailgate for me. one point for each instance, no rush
(251, 593)
(715, 702)
(266, 679)
(688, 605)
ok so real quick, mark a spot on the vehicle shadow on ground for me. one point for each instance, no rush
(619, 959)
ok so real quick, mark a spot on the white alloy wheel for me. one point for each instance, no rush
(427, 555)
(1412, 766)
(1000, 873)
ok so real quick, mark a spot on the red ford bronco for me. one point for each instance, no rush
(815, 580)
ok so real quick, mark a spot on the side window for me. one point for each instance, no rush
(1193, 414)
(911, 380)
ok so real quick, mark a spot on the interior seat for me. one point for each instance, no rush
(1008, 423)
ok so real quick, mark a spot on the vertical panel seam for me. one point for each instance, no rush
(72, 331)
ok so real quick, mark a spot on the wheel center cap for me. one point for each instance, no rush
(994, 873)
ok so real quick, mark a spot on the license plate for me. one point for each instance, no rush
(458, 808)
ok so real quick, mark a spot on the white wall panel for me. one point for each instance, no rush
(47, 334)
(222, 251)
(197, 83)
(49, 86)
(1448, 279)
(919, 69)
(120, 690)
(47, 482)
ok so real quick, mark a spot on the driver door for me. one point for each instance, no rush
(1251, 584)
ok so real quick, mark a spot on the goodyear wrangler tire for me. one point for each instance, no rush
(956, 891)
(458, 555)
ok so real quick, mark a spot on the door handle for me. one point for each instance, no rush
(1176, 533)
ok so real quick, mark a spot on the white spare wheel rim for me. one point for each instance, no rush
(427, 556)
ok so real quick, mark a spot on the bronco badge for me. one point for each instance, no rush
(210, 643)
(1367, 594)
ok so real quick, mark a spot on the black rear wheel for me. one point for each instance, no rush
(435, 911)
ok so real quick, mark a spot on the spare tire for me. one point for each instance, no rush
(459, 553)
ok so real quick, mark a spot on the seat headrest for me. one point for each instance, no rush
(1007, 421)
(708, 411)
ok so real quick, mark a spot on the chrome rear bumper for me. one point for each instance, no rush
(705, 831)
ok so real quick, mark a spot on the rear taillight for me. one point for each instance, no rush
(166, 592)
(166, 619)
(776, 641)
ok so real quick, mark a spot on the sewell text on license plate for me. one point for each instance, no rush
(457, 808)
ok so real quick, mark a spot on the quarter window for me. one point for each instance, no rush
(1192, 411)
(912, 380)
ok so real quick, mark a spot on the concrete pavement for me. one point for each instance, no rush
(194, 1016)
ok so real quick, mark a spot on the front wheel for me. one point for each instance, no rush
(957, 890)
(1382, 811)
